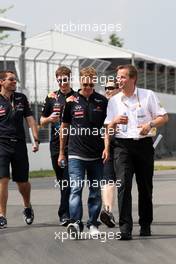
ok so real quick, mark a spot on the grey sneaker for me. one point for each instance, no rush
(3, 222)
(28, 215)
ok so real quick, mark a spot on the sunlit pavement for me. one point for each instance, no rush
(47, 242)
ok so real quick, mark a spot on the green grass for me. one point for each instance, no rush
(162, 167)
(50, 173)
(41, 173)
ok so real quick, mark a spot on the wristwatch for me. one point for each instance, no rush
(152, 124)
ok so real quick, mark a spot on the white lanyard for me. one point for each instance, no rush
(137, 105)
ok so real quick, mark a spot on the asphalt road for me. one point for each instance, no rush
(47, 243)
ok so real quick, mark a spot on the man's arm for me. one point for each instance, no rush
(64, 132)
(158, 113)
(120, 119)
(157, 122)
(47, 115)
(105, 154)
(110, 130)
(32, 124)
(47, 120)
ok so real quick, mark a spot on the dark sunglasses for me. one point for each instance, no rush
(110, 88)
(91, 85)
(11, 79)
(64, 80)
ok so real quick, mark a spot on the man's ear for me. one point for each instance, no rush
(135, 80)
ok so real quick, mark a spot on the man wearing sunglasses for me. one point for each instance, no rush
(51, 114)
(84, 114)
(14, 107)
(111, 89)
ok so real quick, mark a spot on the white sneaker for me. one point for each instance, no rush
(94, 232)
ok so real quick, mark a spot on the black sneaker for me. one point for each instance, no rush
(107, 218)
(3, 222)
(64, 221)
(74, 229)
(145, 230)
(28, 215)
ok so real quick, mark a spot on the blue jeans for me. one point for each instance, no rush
(77, 169)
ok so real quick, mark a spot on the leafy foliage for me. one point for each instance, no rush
(113, 40)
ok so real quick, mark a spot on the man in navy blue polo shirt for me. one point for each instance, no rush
(14, 107)
(83, 119)
(51, 114)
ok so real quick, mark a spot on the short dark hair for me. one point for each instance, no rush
(63, 70)
(3, 74)
(132, 70)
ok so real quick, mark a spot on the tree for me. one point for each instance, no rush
(3, 11)
(115, 40)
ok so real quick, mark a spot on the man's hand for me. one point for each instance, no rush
(120, 119)
(105, 155)
(60, 158)
(145, 129)
(53, 118)
(35, 147)
(71, 98)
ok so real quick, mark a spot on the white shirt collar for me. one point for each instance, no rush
(135, 93)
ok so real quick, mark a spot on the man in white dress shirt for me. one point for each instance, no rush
(138, 113)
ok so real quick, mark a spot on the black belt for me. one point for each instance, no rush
(149, 139)
(13, 139)
(9, 139)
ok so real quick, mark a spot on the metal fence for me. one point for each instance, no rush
(157, 77)
(35, 70)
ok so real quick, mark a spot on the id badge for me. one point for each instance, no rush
(140, 115)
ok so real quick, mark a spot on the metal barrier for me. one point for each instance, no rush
(38, 78)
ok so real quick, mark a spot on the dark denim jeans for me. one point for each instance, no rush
(63, 179)
(77, 169)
